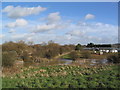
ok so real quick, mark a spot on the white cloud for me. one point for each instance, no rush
(75, 33)
(18, 36)
(17, 12)
(64, 32)
(1, 36)
(11, 31)
(93, 32)
(48, 27)
(53, 17)
(52, 22)
(89, 16)
(31, 37)
(43, 28)
(83, 34)
(17, 23)
(24, 36)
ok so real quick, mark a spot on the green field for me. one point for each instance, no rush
(65, 76)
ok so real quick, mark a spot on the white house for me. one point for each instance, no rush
(101, 53)
(107, 51)
(95, 52)
(101, 50)
(114, 51)
(104, 51)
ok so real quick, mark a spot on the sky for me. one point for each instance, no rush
(62, 22)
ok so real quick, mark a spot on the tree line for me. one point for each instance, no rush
(21, 50)
(98, 45)
(28, 52)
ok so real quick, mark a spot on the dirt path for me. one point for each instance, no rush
(57, 57)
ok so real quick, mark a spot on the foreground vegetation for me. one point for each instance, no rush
(47, 71)
(65, 76)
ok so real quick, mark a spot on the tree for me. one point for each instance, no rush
(86, 54)
(90, 45)
(61, 50)
(78, 47)
(74, 55)
(50, 54)
(51, 41)
(30, 43)
(113, 58)
(8, 58)
(29, 51)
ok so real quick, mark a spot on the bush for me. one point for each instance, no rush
(25, 57)
(86, 54)
(74, 55)
(113, 58)
(8, 58)
(50, 54)
(78, 47)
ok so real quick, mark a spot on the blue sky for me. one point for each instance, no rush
(62, 22)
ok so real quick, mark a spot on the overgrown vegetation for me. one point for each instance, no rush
(78, 47)
(8, 58)
(53, 75)
(74, 55)
(86, 54)
(113, 58)
(65, 77)
(30, 52)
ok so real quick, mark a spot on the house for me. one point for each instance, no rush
(104, 48)
(95, 52)
(107, 51)
(114, 51)
(101, 53)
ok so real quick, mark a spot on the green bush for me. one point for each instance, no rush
(8, 58)
(74, 55)
(86, 54)
(78, 47)
(113, 58)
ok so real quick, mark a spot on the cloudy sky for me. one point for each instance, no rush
(62, 22)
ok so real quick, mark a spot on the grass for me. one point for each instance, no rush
(64, 76)
(92, 55)
(66, 56)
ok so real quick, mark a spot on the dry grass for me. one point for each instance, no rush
(105, 55)
(9, 71)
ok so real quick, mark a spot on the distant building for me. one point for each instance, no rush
(104, 48)
(101, 53)
(107, 51)
(114, 51)
(95, 52)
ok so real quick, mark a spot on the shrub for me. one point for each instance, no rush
(78, 47)
(86, 54)
(74, 55)
(113, 58)
(8, 58)
(25, 57)
(50, 54)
